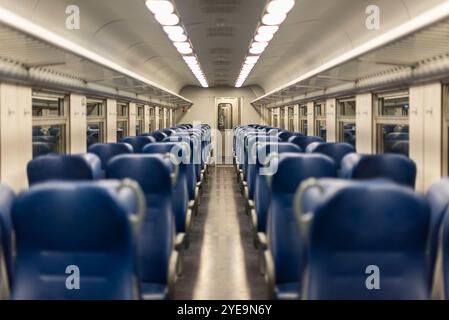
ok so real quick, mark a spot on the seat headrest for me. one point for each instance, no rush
(153, 172)
(106, 151)
(64, 167)
(363, 224)
(138, 142)
(336, 151)
(304, 141)
(395, 167)
(179, 150)
(265, 149)
(294, 168)
(285, 135)
(158, 135)
(42, 148)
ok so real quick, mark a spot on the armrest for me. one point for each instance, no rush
(172, 275)
(263, 241)
(179, 241)
(188, 220)
(253, 216)
(270, 276)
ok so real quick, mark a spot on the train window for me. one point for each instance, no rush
(49, 123)
(291, 125)
(270, 117)
(391, 112)
(161, 118)
(140, 120)
(303, 119)
(95, 113)
(346, 120)
(282, 118)
(152, 120)
(167, 118)
(320, 119)
(122, 120)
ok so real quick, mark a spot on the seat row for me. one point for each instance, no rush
(118, 218)
(323, 217)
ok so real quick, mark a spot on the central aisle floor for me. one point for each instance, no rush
(221, 262)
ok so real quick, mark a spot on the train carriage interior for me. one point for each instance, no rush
(224, 150)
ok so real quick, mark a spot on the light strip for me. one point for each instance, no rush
(165, 14)
(275, 13)
(19, 23)
(426, 19)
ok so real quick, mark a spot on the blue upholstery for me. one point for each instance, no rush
(106, 151)
(42, 149)
(64, 167)
(181, 153)
(284, 238)
(304, 141)
(395, 167)
(85, 224)
(285, 135)
(438, 199)
(445, 254)
(369, 224)
(156, 240)
(262, 191)
(158, 135)
(6, 231)
(336, 151)
(138, 142)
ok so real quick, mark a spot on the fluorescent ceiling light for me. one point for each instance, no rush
(263, 37)
(272, 19)
(280, 6)
(256, 50)
(185, 50)
(267, 30)
(160, 6)
(181, 44)
(174, 30)
(257, 45)
(170, 19)
(177, 37)
(252, 59)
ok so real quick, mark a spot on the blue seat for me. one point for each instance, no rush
(156, 255)
(64, 167)
(438, 199)
(401, 147)
(180, 151)
(42, 149)
(445, 256)
(337, 151)
(158, 135)
(138, 142)
(285, 246)
(261, 193)
(65, 227)
(6, 231)
(304, 141)
(397, 168)
(364, 227)
(285, 135)
(107, 151)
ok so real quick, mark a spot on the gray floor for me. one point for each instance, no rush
(221, 262)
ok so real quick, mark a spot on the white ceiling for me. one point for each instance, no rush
(220, 30)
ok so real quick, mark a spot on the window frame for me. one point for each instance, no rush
(320, 117)
(303, 119)
(342, 120)
(101, 119)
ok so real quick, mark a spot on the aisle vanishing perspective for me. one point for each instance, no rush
(221, 262)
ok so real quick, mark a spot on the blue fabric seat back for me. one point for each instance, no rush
(438, 199)
(106, 151)
(153, 172)
(284, 238)
(6, 230)
(138, 142)
(59, 225)
(158, 135)
(285, 135)
(195, 150)
(64, 167)
(190, 167)
(181, 153)
(42, 149)
(262, 193)
(397, 168)
(304, 141)
(363, 228)
(336, 151)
